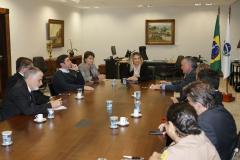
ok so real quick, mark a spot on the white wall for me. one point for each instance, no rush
(98, 29)
(125, 28)
(28, 19)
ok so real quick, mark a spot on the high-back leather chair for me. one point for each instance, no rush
(40, 63)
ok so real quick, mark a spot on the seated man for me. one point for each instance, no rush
(188, 66)
(22, 65)
(217, 123)
(189, 140)
(68, 77)
(19, 99)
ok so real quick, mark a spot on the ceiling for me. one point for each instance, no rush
(139, 3)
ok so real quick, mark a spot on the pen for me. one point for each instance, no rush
(133, 157)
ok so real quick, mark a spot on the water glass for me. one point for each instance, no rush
(113, 122)
(137, 94)
(79, 92)
(50, 113)
(113, 82)
(137, 105)
(109, 104)
(6, 138)
(124, 81)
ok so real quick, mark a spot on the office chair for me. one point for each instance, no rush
(178, 65)
(41, 64)
(142, 51)
(236, 152)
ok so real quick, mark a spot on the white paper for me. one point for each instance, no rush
(59, 108)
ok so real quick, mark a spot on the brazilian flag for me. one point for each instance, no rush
(215, 63)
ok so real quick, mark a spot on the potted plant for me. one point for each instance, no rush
(71, 51)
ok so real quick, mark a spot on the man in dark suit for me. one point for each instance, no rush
(19, 99)
(68, 77)
(188, 66)
(22, 65)
(217, 123)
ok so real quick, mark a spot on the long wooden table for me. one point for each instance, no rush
(82, 131)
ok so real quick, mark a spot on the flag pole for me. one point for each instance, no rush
(227, 97)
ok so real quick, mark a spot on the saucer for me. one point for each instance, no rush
(123, 125)
(113, 127)
(40, 121)
(7, 144)
(79, 97)
(136, 116)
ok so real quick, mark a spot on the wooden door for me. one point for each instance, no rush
(5, 53)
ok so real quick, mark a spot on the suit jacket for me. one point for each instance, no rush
(38, 95)
(63, 82)
(145, 74)
(219, 126)
(19, 101)
(177, 86)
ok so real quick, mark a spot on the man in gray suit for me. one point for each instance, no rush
(188, 66)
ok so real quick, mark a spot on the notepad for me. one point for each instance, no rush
(59, 108)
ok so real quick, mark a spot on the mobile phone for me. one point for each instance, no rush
(155, 132)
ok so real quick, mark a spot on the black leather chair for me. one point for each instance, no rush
(178, 66)
(41, 64)
(51, 89)
(142, 51)
(165, 71)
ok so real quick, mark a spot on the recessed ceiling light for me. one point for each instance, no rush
(197, 4)
(76, 1)
(86, 7)
(63, 1)
(140, 6)
(149, 6)
(96, 7)
(208, 4)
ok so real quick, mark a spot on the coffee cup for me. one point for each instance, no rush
(113, 122)
(123, 120)
(6, 138)
(39, 117)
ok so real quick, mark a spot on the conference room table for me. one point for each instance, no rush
(82, 132)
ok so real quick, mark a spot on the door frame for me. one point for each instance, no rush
(7, 72)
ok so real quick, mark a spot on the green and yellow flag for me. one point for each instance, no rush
(215, 63)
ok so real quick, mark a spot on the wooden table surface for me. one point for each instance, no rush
(82, 131)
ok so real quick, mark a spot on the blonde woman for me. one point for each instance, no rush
(138, 70)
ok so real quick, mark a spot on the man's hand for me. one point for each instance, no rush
(133, 78)
(56, 103)
(74, 67)
(174, 99)
(88, 88)
(155, 156)
(155, 86)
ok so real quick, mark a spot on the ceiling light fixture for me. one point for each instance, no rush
(149, 6)
(208, 4)
(96, 7)
(76, 1)
(197, 4)
(140, 6)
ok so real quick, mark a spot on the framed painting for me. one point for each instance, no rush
(160, 32)
(56, 32)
